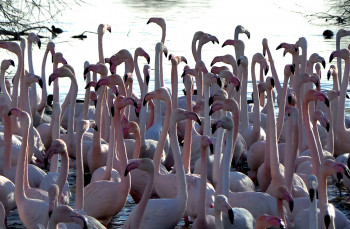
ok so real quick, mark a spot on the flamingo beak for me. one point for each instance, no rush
(230, 215)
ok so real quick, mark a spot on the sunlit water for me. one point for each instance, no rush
(264, 19)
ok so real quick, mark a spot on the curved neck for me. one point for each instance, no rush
(119, 140)
(42, 103)
(16, 78)
(96, 139)
(256, 109)
(138, 75)
(72, 100)
(79, 189)
(273, 71)
(163, 134)
(100, 49)
(291, 150)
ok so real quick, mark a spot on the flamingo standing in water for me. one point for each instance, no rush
(30, 210)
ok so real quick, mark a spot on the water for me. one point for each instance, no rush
(269, 19)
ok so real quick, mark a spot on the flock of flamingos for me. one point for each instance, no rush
(174, 154)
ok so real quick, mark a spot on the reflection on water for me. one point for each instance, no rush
(264, 19)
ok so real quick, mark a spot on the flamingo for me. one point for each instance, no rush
(166, 212)
(100, 200)
(29, 210)
(58, 147)
(341, 132)
(341, 33)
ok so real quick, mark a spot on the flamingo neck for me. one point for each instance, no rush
(55, 134)
(311, 139)
(341, 102)
(62, 177)
(322, 194)
(96, 141)
(42, 103)
(244, 106)
(100, 49)
(16, 78)
(318, 140)
(180, 172)
(276, 176)
(273, 71)
(337, 44)
(56, 88)
(33, 94)
(111, 152)
(120, 143)
(141, 207)
(202, 186)
(137, 149)
(256, 109)
(186, 151)
(281, 107)
(330, 134)
(20, 170)
(218, 220)
(226, 163)
(313, 216)
(79, 190)
(174, 85)
(7, 147)
(163, 134)
(157, 83)
(138, 75)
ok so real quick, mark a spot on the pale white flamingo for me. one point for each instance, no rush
(244, 217)
(203, 220)
(30, 210)
(160, 22)
(221, 205)
(341, 132)
(100, 199)
(341, 33)
(136, 215)
(165, 212)
(58, 147)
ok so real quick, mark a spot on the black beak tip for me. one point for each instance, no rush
(213, 129)
(231, 216)
(272, 82)
(326, 102)
(211, 147)
(170, 55)
(327, 220)
(97, 87)
(144, 102)
(211, 100)
(148, 60)
(219, 82)
(238, 62)
(86, 70)
(347, 96)
(210, 112)
(39, 44)
(324, 64)
(50, 82)
(199, 122)
(331, 58)
(137, 114)
(278, 47)
(266, 70)
(41, 83)
(112, 111)
(292, 68)
(184, 91)
(291, 205)
(327, 127)
(125, 78)
(312, 194)
(126, 172)
(96, 128)
(46, 163)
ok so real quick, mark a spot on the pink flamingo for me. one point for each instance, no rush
(29, 210)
